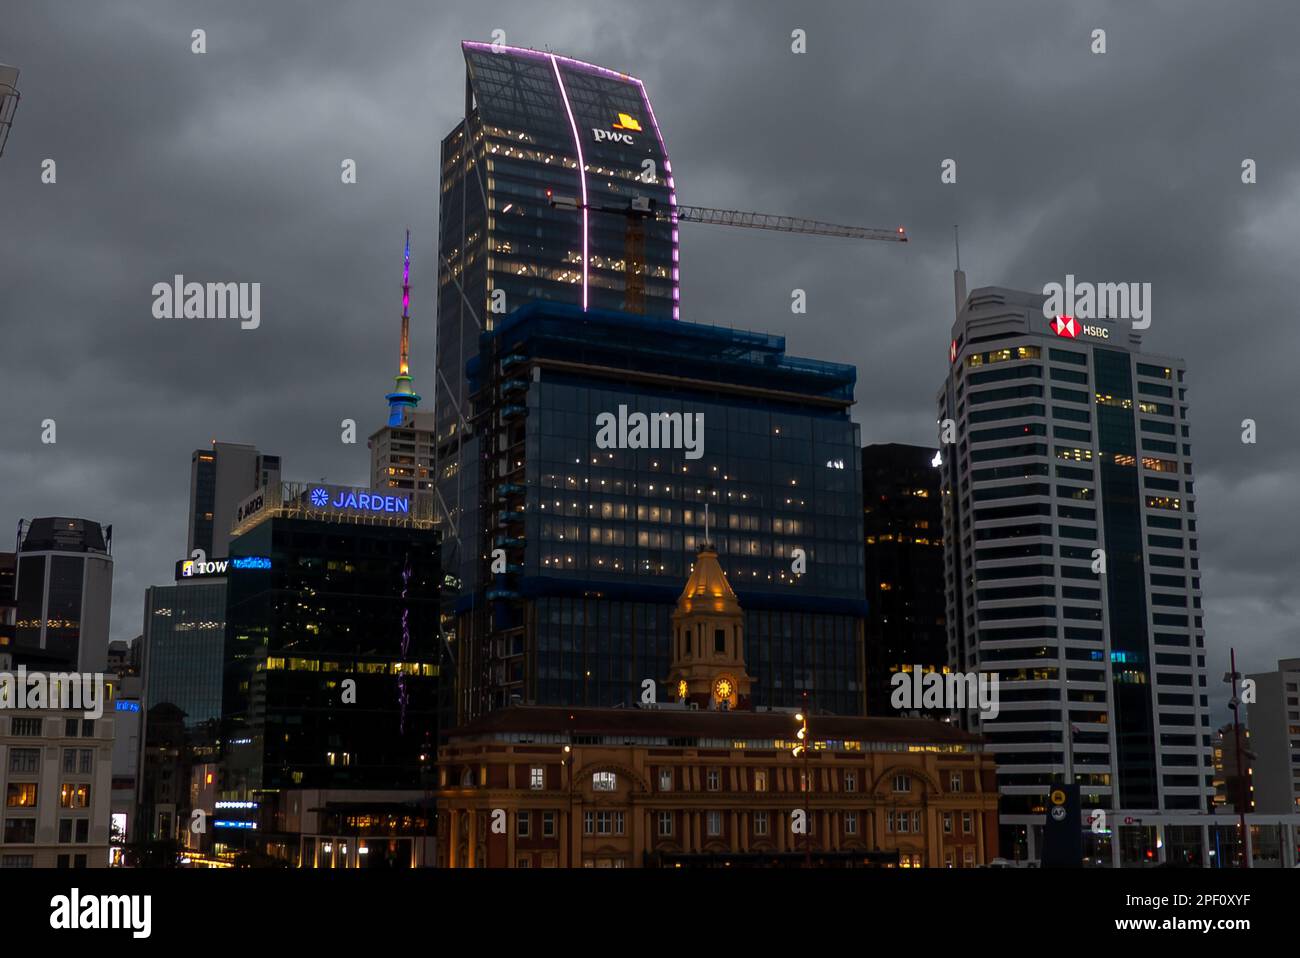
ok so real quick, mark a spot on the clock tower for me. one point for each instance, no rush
(708, 654)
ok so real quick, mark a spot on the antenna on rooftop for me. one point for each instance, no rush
(958, 277)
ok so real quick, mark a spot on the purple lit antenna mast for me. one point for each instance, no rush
(403, 398)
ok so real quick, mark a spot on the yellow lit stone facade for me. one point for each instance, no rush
(705, 780)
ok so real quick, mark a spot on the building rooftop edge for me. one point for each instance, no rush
(703, 722)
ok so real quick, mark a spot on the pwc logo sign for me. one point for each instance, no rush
(1070, 328)
(625, 123)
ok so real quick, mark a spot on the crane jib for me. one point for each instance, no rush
(785, 224)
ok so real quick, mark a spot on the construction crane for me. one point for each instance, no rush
(642, 208)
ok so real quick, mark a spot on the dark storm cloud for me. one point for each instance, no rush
(225, 167)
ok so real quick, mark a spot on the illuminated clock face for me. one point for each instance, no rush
(723, 688)
(681, 689)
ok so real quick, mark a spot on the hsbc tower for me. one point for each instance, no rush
(1072, 571)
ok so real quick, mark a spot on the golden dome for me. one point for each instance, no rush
(707, 590)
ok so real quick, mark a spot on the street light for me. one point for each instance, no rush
(805, 743)
(568, 763)
(1233, 678)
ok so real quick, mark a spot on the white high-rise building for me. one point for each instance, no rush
(1274, 719)
(1072, 447)
(401, 458)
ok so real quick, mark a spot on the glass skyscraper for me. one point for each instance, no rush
(332, 654)
(536, 123)
(586, 544)
(1073, 450)
(184, 641)
(903, 525)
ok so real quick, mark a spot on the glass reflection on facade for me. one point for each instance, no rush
(597, 542)
(184, 634)
(63, 606)
(31, 603)
(1126, 594)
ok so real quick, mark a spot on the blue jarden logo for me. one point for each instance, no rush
(369, 502)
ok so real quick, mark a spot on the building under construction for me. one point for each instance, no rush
(587, 543)
(558, 301)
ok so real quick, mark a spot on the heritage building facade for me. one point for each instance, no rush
(703, 780)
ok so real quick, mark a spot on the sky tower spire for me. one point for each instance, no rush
(404, 397)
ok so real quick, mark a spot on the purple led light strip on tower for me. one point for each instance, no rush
(555, 60)
(406, 276)
(402, 697)
(672, 194)
(582, 175)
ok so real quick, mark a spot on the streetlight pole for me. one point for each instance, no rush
(568, 761)
(805, 743)
(1241, 778)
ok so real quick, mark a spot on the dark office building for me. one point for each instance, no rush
(902, 521)
(64, 592)
(332, 661)
(8, 605)
(181, 655)
(595, 536)
(184, 647)
(535, 122)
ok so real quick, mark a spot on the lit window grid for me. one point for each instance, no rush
(1151, 464)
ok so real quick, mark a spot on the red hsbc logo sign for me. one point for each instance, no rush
(1065, 326)
(1069, 327)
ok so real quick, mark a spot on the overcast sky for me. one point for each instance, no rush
(1123, 166)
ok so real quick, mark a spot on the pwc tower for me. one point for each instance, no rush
(535, 123)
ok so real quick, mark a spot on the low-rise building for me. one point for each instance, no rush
(56, 772)
(704, 780)
(1274, 719)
